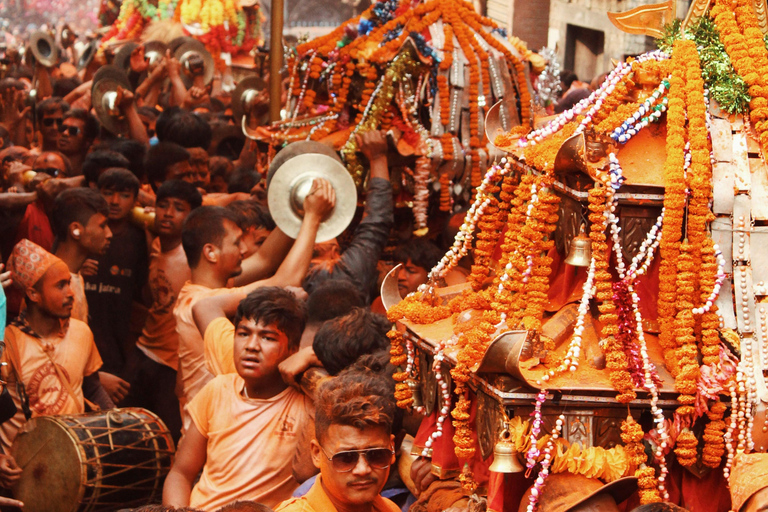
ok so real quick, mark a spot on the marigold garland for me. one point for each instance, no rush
(632, 436)
(685, 448)
(714, 442)
(743, 40)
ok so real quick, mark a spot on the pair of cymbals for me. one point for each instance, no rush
(289, 181)
(154, 51)
(195, 61)
(250, 100)
(105, 98)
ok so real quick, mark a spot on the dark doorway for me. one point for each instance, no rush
(584, 49)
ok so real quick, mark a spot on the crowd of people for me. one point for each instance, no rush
(209, 315)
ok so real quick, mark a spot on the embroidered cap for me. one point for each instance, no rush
(29, 262)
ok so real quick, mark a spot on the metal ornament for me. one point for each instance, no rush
(505, 459)
(291, 183)
(122, 58)
(250, 102)
(195, 61)
(106, 97)
(88, 54)
(390, 292)
(43, 49)
(154, 52)
(580, 252)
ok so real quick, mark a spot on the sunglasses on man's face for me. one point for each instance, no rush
(48, 121)
(344, 462)
(72, 130)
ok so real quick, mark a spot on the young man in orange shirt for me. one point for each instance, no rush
(245, 425)
(213, 244)
(353, 445)
(156, 359)
(52, 355)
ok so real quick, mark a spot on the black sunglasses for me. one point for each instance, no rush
(344, 462)
(48, 121)
(72, 130)
(48, 170)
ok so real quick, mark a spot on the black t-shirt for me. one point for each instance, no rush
(110, 293)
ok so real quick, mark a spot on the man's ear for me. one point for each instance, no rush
(317, 452)
(211, 253)
(32, 294)
(76, 230)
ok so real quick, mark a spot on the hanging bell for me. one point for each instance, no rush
(505, 458)
(580, 252)
(415, 388)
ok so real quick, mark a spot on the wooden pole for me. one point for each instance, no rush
(275, 59)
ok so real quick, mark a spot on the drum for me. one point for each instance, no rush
(106, 460)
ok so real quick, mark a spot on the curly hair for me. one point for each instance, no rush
(357, 397)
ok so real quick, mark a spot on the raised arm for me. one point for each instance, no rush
(209, 309)
(318, 203)
(265, 262)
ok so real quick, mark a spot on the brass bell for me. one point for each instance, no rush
(415, 388)
(580, 252)
(505, 458)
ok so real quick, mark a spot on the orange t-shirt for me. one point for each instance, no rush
(251, 443)
(74, 352)
(168, 271)
(316, 500)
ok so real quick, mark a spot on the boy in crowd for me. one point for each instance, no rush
(213, 244)
(353, 446)
(245, 425)
(156, 360)
(52, 355)
(80, 223)
(121, 273)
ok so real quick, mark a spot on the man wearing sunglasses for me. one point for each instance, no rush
(353, 445)
(50, 116)
(76, 133)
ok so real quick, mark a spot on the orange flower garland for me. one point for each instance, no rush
(403, 393)
(686, 353)
(685, 448)
(445, 192)
(710, 322)
(714, 442)
(743, 40)
(615, 358)
(674, 203)
(632, 436)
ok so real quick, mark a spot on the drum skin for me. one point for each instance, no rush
(105, 460)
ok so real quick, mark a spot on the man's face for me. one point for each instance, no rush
(232, 250)
(72, 137)
(53, 292)
(170, 216)
(180, 171)
(361, 485)
(410, 277)
(49, 127)
(50, 163)
(258, 350)
(198, 160)
(120, 202)
(96, 235)
(253, 238)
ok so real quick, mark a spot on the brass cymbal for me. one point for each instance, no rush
(249, 99)
(292, 182)
(43, 48)
(88, 54)
(296, 149)
(105, 98)
(194, 59)
(122, 58)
